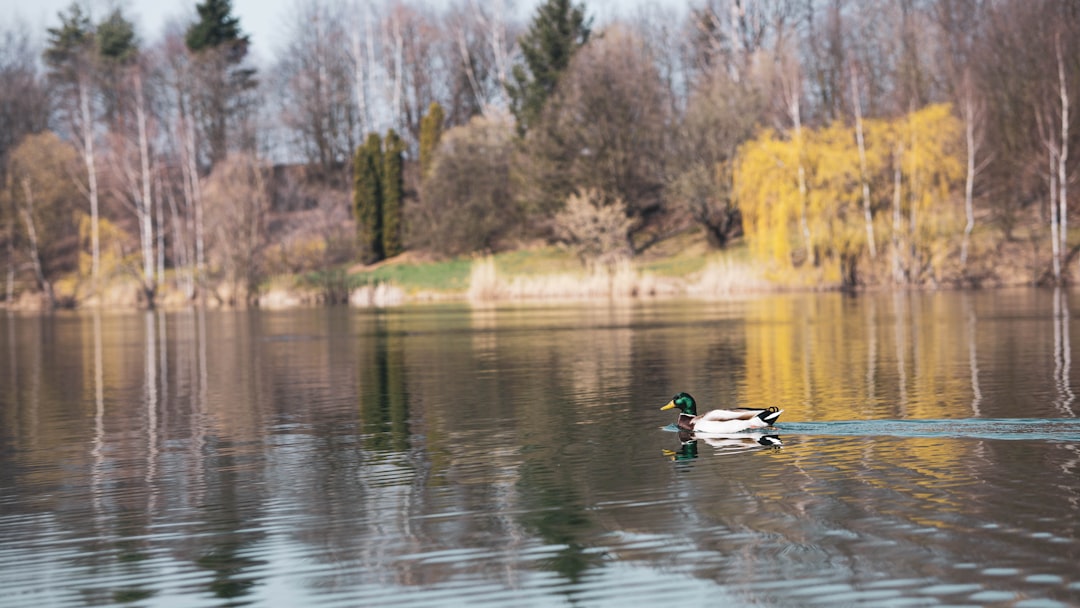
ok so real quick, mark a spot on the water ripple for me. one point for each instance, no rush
(1008, 429)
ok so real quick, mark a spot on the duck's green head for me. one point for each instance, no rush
(684, 402)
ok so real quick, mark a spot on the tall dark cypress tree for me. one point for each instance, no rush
(557, 31)
(367, 198)
(393, 192)
(430, 132)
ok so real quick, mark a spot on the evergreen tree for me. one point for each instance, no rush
(430, 132)
(117, 50)
(116, 38)
(367, 197)
(557, 31)
(70, 46)
(219, 47)
(217, 28)
(393, 192)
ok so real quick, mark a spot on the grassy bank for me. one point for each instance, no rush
(548, 272)
(681, 265)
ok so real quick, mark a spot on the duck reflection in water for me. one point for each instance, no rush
(729, 442)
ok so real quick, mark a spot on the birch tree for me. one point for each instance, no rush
(971, 113)
(483, 41)
(316, 86)
(131, 136)
(1063, 151)
(1054, 133)
(70, 57)
(864, 178)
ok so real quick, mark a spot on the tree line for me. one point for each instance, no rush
(855, 143)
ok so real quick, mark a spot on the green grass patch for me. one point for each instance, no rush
(537, 261)
(448, 275)
(678, 266)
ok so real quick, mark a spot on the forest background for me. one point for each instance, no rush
(404, 149)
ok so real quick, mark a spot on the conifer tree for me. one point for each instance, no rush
(219, 47)
(557, 31)
(217, 27)
(430, 132)
(367, 197)
(393, 192)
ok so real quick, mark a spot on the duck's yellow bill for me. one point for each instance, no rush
(670, 404)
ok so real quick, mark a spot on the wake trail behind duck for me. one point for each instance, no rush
(1047, 429)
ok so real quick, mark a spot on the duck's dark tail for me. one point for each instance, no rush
(769, 415)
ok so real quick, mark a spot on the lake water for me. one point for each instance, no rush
(516, 455)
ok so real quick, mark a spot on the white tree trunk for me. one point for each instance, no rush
(791, 82)
(398, 90)
(897, 216)
(360, 84)
(466, 62)
(27, 212)
(1055, 243)
(969, 183)
(1063, 153)
(87, 132)
(868, 217)
(144, 206)
(496, 27)
(196, 200)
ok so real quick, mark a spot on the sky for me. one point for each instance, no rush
(264, 20)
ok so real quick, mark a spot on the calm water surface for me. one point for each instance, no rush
(516, 455)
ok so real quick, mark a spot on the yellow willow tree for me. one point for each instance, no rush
(776, 210)
(931, 166)
(767, 188)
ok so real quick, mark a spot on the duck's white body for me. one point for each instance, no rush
(728, 421)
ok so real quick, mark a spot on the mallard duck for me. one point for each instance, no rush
(720, 421)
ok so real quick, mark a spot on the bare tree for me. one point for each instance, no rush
(465, 206)
(414, 48)
(317, 81)
(972, 113)
(24, 101)
(132, 158)
(596, 228)
(237, 204)
(183, 186)
(484, 41)
(1054, 133)
(719, 117)
(24, 109)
